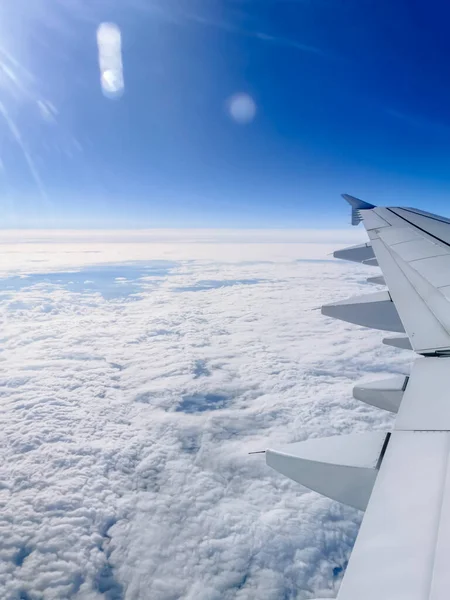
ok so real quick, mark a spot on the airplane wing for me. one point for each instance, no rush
(401, 478)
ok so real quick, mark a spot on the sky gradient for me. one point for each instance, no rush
(350, 97)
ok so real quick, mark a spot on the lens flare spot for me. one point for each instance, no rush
(241, 108)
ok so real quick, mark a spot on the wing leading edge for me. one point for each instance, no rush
(402, 479)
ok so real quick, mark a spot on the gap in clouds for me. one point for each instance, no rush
(111, 281)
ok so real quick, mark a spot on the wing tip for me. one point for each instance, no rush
(357, 205)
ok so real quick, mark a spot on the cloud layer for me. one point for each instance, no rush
(128, 419)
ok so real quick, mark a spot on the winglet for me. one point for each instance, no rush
(357, 205)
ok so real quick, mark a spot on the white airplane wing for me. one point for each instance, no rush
(401, 478)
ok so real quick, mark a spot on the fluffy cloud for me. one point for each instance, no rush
(131, 396)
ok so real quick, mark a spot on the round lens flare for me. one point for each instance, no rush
(241, 108)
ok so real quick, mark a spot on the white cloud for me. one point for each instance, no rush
(39, 251)
(127, 423)
(183, 236)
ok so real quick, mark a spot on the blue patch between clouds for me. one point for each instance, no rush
(202, 402)
(111, 281)
(214, 284)
(21, 555)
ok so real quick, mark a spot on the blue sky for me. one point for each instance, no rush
(352, 96)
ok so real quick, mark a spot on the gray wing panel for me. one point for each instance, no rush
(416, 267)
(424, 330)
(401, 552)
(434, 225)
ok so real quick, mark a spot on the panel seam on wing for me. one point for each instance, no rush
(419, 228)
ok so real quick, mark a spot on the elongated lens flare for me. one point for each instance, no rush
(109, 40)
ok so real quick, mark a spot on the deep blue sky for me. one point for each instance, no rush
(352, 96)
